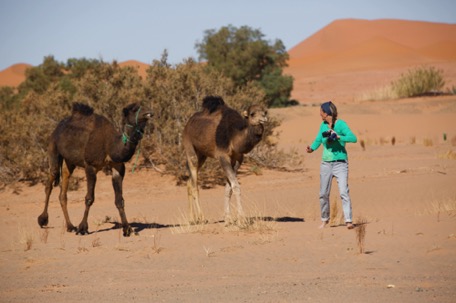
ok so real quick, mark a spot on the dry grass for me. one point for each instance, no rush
(26, 238)
(254, 220)
(451, 155)
(81, 247)
(156, 248)
(428, 142)
(438, 207)
(62, 235)
(184, 225)
(384, 141)
(255, 223)
(336, 217)
(96, 242)
(360, 231)
(379, 94)
(44, 234)
(453, 141)
(208, 251)
(363, 144)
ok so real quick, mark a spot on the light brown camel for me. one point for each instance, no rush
(90, 141)
(220, 132)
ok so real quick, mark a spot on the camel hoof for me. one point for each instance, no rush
(82, 232)
(71, 228)
(82, 229)
(127, 231)
(43, 220)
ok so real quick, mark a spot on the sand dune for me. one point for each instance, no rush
(13, 75)
(140, 66)
(353, 45)
(347, 33)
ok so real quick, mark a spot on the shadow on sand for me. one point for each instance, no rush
(138, 227)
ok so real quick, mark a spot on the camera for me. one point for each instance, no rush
(331, 135)
(326, 134)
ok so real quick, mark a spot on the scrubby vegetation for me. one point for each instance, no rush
(418, 82)
(30, 112)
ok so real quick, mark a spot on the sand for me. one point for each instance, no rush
(405, 193)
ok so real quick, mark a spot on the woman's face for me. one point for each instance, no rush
(324, 116)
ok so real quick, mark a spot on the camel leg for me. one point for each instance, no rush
(54, 175)
(232, 186)
(91, 175)
(226, 204)
(118, 174)
(192, 187)
(66, 173)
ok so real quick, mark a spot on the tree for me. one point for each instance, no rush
(243, 55)
(39, 78)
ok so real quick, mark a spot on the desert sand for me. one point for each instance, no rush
(405, 193)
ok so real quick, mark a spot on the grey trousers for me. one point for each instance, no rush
(339, 170)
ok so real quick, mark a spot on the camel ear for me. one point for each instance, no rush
(125, 112)
(245, 114)
(131, 107)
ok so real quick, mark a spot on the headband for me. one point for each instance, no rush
(326, 108)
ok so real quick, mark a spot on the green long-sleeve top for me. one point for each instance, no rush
(334, 150)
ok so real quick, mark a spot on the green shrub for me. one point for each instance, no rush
(419, 82)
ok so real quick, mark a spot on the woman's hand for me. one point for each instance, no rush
(309, 150)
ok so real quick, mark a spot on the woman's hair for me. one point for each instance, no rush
(330, 109)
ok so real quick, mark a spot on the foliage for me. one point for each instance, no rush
(419, 82)
(30, 113)
(176, 93)
(244, 56)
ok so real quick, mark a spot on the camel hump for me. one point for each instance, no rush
(213, 103)
(82, 109)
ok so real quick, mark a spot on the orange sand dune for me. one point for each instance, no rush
(13, 75)
(141, 67)
(349, 58)
(351, 44)
(347, 33)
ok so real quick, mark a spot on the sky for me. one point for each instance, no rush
(142, 29)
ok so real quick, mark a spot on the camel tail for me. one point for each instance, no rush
(58, 172)
(82, 109)
(213, 103)
(57, 178)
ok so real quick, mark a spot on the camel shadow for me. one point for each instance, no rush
(139, 226)
(136, 226)
(280, 219)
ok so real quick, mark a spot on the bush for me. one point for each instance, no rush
(418, 82)
(176, 93)
(173, 92)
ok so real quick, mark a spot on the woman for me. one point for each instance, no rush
(333, 134)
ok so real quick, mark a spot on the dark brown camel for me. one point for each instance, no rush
(90, 141)
(220, 132)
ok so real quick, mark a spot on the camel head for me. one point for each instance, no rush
(135, 118)
(256, 115)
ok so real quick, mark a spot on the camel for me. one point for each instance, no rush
(91, 141)
(220, 132)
